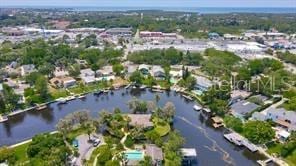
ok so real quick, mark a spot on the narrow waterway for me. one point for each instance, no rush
(211, 147)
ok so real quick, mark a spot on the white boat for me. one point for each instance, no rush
(157, 90)
(126, 87)
(197, 107)
(70, 98)
(62, 101)
(81, 97)
(142, 87)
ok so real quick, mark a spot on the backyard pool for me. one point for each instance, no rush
(134, 155)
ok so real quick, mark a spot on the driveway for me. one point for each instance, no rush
(85, 148)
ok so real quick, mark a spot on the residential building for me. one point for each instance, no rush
(202, 83)
(27, 69)
(142, 120)
(144, 69)
(106, 73)
(60, 72)
(242, 108)
(155, 153)
(62, 82)
(87, 76)
(282, 117)
(158, 72)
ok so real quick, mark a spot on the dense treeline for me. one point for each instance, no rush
(169, 56)
(191, 25)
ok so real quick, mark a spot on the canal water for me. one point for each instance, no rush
(212, 149)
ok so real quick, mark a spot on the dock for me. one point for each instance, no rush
(240, 141)
(3, 118)
(187, 97)
(41, 107)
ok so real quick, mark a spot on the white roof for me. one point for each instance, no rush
(188, 152)
(1, 87)
(284, 133)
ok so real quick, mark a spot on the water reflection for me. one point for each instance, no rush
(212, 148)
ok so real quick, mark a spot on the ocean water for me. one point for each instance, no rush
(204, 10)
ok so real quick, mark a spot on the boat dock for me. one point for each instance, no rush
(187, 97)
(240, 141)
(156, 90)
(218, 122)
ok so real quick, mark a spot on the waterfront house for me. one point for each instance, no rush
(143, 120)
(144, 69)
(202, 83)
(62, 82)
(282, 117)
(105, 73)
(242, 108)
(237, 95)
(155, 153)
(158, 72)
(27, 69)
(87, 76)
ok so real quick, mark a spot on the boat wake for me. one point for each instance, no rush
(215, 147)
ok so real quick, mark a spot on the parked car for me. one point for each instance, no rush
(96, 142)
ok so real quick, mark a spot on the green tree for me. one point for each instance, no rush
(136, 77)
(118, 69)
(234, 123)
(258, 132)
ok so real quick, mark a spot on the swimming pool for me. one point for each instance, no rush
(134, 155)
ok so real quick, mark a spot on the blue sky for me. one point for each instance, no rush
(153, 3)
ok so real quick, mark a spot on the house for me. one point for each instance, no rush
(237, 95)
(202, 83)
(282, 117)
(27, 69)
(87, 76)
(155, 153)
(282, 135)
(62, 82)
(158, 72)
(143, 120)
(60, 72)
(144, 69)
(189, 156)
(106, 73)
(242, 108)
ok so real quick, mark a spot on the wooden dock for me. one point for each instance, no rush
(240, 141)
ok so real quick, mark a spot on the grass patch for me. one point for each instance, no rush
(21, 153)
(94, 154)
(58, 93)
(291, 159)
(162, 130)
(161, 127)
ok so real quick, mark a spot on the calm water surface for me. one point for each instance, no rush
(211, 147)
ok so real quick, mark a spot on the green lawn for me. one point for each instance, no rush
(161, 127)
(58, 93)
(21, 153)
(94, 155)
(276, 148)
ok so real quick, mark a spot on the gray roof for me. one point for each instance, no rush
(243, 107)
(119, 30)
(282, 114)
(154, 152)
(28, 68)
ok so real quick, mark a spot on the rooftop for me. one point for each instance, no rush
(188, 152)
(140, 120)
(154, 152)
(243, 107)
